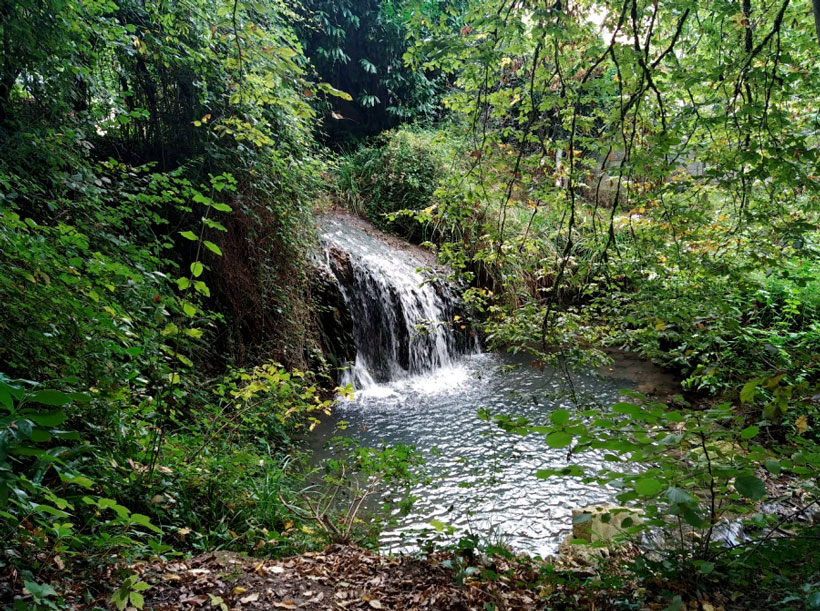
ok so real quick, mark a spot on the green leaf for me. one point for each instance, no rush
(212, 247)
(4, 445)
(183, 283)
(201, 287)
(648, 486)
(772, 466)
(559, 439)
(40, 436)
(51, 510)
(39, 591)
(53, 418)
(692, 518)
(6, 396)
(222, 207)
(747, 393)
(678, 496)
(705, 567)
(189, 309)
(196, 269)
(144, 520)
(750, 487)
(559, 417)
(749, 432)
(189, 235)
(50, 397)
(137, 600)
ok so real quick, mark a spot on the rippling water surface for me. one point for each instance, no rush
(483, 478)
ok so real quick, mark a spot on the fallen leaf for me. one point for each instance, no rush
(239, 590)
(286, 604)
(250, 598)
(375, 604)
(801, 424)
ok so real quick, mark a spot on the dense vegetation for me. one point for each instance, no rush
(641, 174)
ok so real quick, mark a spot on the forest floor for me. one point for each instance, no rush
(347, 577)
(340, 577)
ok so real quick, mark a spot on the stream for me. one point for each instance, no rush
(418, 383)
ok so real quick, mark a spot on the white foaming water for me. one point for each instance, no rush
(403, 321)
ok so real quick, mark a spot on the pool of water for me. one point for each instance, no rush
(482, 479)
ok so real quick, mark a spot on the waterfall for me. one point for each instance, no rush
(404, 322)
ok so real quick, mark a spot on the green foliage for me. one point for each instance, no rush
(358, 48)
(399, 173)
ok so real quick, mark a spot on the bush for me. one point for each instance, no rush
(401, 171)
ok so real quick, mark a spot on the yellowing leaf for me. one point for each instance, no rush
(801, 424)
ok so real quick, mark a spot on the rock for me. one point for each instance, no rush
(605, 523)
(600, 531)
(333, 318)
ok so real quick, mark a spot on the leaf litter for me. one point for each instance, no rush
(340, 577)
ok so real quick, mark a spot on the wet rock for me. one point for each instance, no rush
(605, 523)
(596, 532)
(334, 322)
(341, 264)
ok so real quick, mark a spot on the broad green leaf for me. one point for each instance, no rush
(53, 418)
(39, 591)
(189, 235)
(40, 436)
(50, 397)
(749, 432)
(212, 247)
(559, 417)
(137, 600)
(196, 269)
(50, 510)
(750, 486)
(678, 496)
(144, 520)
(747, 393)
(648, 486)
(201, 287)
(559, 439)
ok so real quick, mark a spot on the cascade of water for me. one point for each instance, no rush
(403, 322)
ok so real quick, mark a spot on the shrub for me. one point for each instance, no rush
(399, 172)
